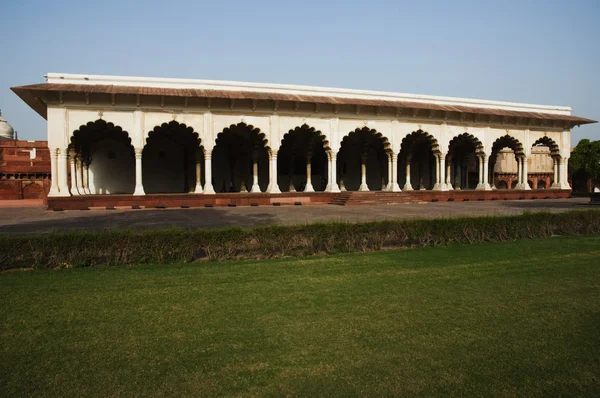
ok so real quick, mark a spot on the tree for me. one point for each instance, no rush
(584, 165)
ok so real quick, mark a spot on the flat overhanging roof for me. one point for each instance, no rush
(98, 84)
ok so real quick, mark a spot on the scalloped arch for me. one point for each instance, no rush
(311, 130)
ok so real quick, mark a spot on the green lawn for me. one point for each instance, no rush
(505, 319)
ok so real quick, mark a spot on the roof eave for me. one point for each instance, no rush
(32, 100)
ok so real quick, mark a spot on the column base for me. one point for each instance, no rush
(309, 187)
(139, 191)
(342, 186)
(555, 186)
(395, 188)
(564, 186)
(255, 188)
(199, 189)
(450, 187)
(407, 187)
(483, 187)
(333, 188)
(363, 188)
(274, 190)
(208, 189)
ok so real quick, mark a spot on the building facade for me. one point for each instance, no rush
(137, 136)
(24, 166)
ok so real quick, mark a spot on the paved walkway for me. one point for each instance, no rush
(37, 219)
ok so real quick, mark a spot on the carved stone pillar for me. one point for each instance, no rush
(407, 185)
(332, 185)
(54, 191)
(208, 185)
(198, 188)
(309, 187)
(139, 186)
(363, 175)
(273, 185)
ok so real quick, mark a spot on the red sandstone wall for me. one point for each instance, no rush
(20, 176)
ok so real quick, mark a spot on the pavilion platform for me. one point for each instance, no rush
(91, 202)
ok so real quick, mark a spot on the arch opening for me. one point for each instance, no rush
(303, 152)
(363, 161)
(240, 160)
(503, 163)
(416, 161)
(169, 159)
(464, 154)
(544, 159)
(105, 161)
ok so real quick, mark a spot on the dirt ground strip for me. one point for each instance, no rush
(35, 219)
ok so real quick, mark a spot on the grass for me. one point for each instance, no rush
(503, 319)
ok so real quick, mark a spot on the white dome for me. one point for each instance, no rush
(6, 130)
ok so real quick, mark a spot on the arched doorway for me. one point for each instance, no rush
(465, 152)
(240, 160)
(102, 160)
(416, 161)
(169, 159)
(545, 158)
(302, 160)
(507, 153)
(363, 161)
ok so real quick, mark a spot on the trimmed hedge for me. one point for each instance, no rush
(88, 249)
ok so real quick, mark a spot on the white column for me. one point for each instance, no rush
(80, 180)
(309, 186)
(449, 174)
(363, 175)
(255, 187)
(407, 185)
(86, 177)
(485, 184)
(388, 186)
(53, 173)
(394, 186)
(443, 185)
(480, 173)
(273, 185)
(63, 174)
(563, 173)
(332, 185)
(72, 161)
(198, 188)
(519, 173)
(525, 184)
(208, 186)
(139, 186)
(555, 183)
(436, 186)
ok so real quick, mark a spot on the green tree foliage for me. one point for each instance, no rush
(585, 161)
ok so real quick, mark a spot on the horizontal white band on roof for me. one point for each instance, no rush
(286, 89)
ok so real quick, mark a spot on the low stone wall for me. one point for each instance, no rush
(187, 200)
(24, 189)
(265, 199)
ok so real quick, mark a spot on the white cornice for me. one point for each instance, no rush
(66, 78)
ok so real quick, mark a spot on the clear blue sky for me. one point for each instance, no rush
(543, 52)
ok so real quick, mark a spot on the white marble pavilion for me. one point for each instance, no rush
(133, 135)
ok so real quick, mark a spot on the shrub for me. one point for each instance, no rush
(118, 247)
